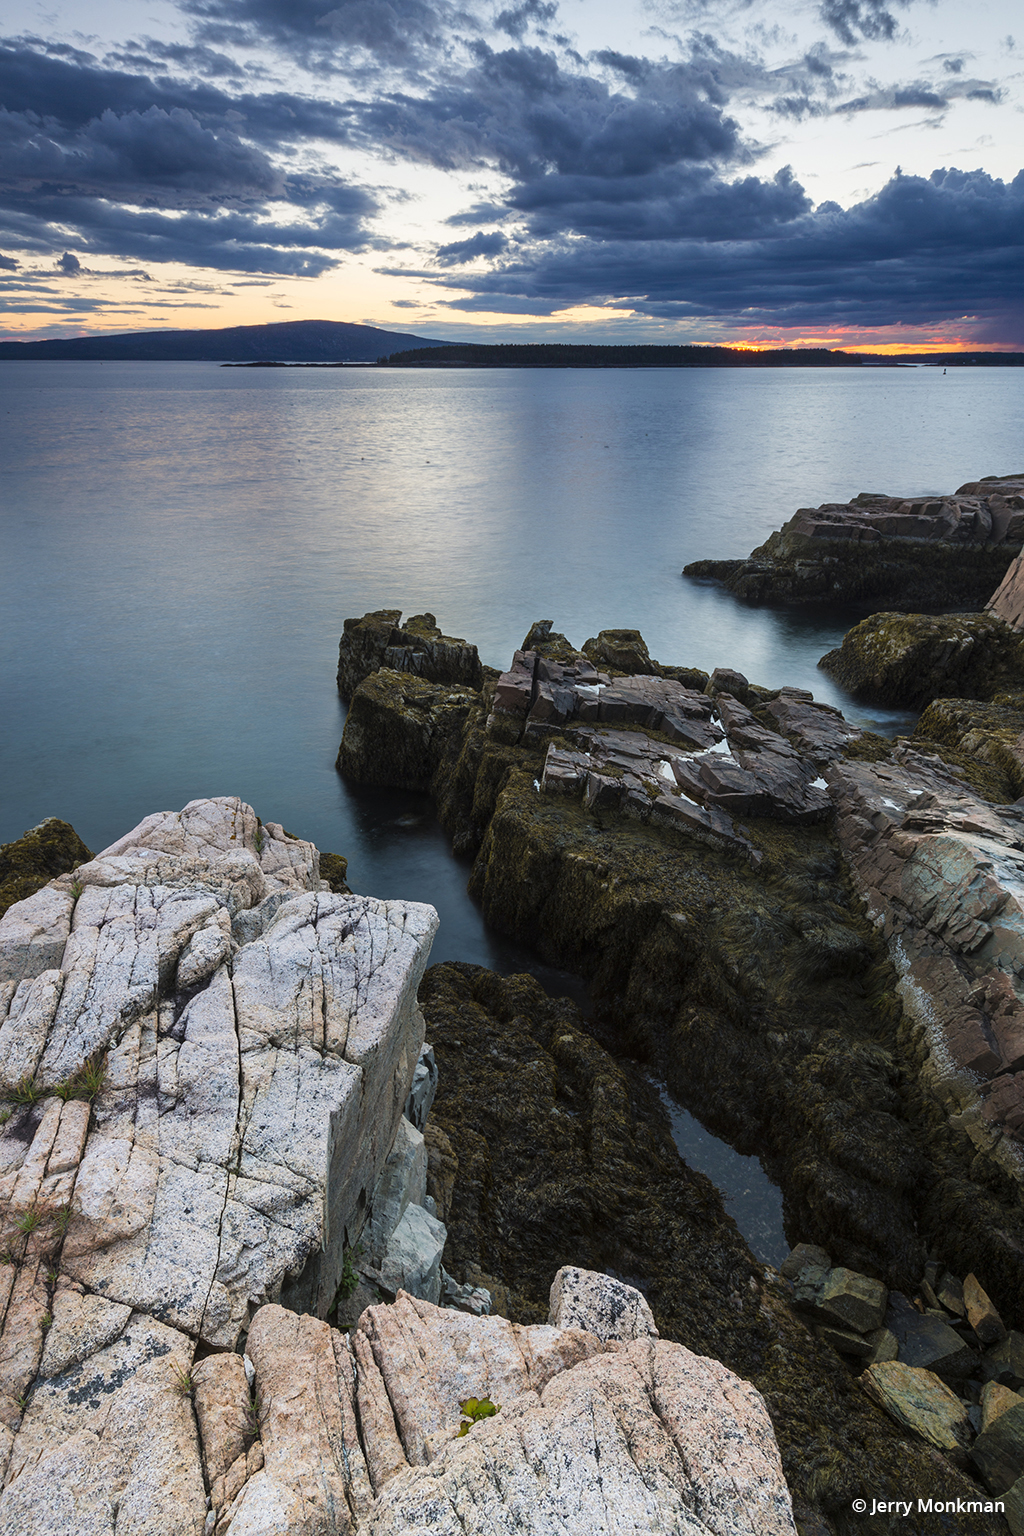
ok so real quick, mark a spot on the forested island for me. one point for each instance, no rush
(570, 355)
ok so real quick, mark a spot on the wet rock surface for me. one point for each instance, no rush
(926, 551)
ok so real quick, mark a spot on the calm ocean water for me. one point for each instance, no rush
(180, 545)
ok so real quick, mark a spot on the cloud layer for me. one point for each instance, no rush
(613, 179)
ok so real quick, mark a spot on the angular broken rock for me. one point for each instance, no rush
(600, 1305)
(853, 1301)
(998, 1452)
(919, 1400)
(928, 1342)
(981, 1314)
(243, 1122)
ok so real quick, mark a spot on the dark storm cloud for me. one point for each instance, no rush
(163, 169)
(72, 95)
(480, 244)
(923, 251)
(396, 32)
(853, 19)
(675, 204)
(520, 111)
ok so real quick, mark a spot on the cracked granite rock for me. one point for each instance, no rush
(199, 1110)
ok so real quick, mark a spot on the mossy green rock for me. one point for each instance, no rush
(564, 1157)
(380, 640)
(51, 849)
(397, 728)
(907, 659)
(985, 739)
(334, 869)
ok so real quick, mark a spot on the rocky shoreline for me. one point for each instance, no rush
(774, 909)
(303, 1237)
(908, 554)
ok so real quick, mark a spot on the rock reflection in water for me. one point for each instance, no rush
(751, 1199)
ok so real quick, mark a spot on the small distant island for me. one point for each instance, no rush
(570, 355)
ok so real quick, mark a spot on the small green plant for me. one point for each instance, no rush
(22, 1401)
(183, 1383)
(8, 1256)
(257, 841)
(473, 1410)
(5, 1114)
(27, 1091)
(77, 887)
(62, 1220)
(46, 1321)
(349, 1273)
(29, 1221)
(253, 1431)
(86, 1082)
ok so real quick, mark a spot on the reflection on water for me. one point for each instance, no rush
(751, 1199)
(181, 543)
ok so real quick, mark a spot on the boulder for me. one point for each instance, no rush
(981, 1314)
(802, 1256)
(621, 650)
(1004, 1362)
(998, 1452)
(600, 1305)
(905, 660)
(380, 640)
(853, 1301)
(918, 1400)
(996, 1400)
(927, 1342)
(928, 551)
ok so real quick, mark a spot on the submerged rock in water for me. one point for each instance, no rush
(927, 551)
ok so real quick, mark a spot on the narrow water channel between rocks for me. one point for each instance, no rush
(751, 1199)
(401, 851)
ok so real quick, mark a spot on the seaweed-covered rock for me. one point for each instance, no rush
(398, 727)
(381, 640)
(51, 849)
(908, 659)
(931, 551)
(564, 1158)
(984, 740)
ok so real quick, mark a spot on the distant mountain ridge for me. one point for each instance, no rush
(287, 341)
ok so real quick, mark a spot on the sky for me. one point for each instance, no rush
(837, 173)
